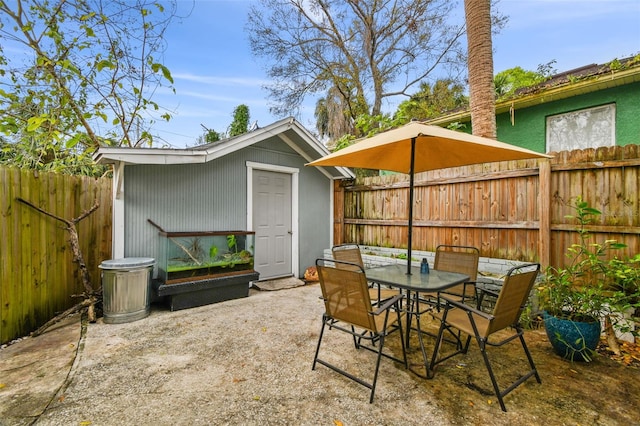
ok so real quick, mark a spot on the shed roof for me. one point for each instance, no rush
(288, 130)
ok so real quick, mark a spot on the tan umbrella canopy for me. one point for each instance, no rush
(418, 147)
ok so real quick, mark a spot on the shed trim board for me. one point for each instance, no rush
(117, 202)
(294, 172)
(210, 152)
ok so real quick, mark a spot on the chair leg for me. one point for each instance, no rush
(526, 351)
(436, 351)
(315, 358)
(356, 340)
(375, 375)
(379, 350)
(533, 372)
(459, 349)
(496, 389)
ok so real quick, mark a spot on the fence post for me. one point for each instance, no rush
(544, 205)
(338, 212)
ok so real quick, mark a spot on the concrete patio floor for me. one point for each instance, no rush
(248, 361)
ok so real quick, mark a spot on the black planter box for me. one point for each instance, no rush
(190, 294)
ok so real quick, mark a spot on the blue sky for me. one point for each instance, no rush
(210, 59)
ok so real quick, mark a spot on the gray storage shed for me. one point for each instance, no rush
(254, 182)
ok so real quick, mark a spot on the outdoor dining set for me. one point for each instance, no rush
(372, 303)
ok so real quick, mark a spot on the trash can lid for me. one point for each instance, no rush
(128, 262)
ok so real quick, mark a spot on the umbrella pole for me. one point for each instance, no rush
(410, 231)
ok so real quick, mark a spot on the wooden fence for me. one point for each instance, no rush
(37, 272)
(510, 210)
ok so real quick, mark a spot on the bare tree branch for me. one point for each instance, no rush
(366, 50)
(73, 239)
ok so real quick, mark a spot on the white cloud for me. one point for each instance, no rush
(220, 81)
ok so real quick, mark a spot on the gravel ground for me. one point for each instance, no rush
(248, 362)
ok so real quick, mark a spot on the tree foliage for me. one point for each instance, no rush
(332, 118)
(508, 81)
(240, 123)
(209, 136)
(433, 100)
(239, 126)
(81, 75)
(365, 51)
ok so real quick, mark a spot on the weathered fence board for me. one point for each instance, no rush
(503, 208)
(37, 273)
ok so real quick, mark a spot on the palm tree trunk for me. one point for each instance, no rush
(480, 67)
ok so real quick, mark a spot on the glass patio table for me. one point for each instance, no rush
(395, 276)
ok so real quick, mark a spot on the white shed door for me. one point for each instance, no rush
(272, 223)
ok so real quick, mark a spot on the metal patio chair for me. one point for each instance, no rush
(351, 253)
(451, 258)
(510, 303)
(462, 259)
(348, 309)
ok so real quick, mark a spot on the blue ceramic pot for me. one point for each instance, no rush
(572, 340)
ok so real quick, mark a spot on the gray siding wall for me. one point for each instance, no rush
(212, 197)
(316, 227)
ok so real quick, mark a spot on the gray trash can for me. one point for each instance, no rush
(125, 289)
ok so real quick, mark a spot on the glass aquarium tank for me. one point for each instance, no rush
(194, 256)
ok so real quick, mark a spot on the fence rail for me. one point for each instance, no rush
(510, 210)
(37, 272)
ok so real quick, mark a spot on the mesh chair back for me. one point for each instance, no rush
(513, 296)
(461, 259)
(347, 253)
(346, 295)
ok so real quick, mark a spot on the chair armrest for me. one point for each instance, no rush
(483, 292)
(389, 303)
(466, 307)
(464, 284)
(489, 292)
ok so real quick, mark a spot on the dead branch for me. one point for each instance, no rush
(89, 293)
(86, 303)
(184, 249)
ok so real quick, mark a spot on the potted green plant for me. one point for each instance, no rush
(592, 289)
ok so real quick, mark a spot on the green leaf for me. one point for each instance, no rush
(618, 245)
(165, 71)
(591, 210)
(71, 143)
(104, 64)
(87, 16)
(34, 123)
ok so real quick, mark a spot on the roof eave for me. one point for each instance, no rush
(202, 154)
(564, 91)
(148, 156)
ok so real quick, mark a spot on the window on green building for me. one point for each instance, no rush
(585, 128)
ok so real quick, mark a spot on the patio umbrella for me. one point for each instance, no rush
(417, 147)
